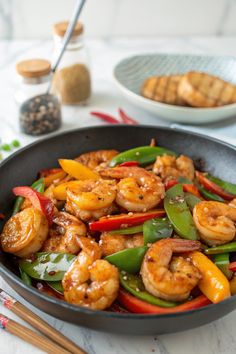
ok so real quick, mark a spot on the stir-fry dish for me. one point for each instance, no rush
(139, 231)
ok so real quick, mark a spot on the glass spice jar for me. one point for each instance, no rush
(39, 111)
(72, 80)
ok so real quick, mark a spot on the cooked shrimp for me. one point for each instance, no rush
(49, 194)
(25, 232)
(91, 199)
(96, 159)
(170, 167)
(110, 243)
(90, 281)
(64, 237)
(232, 203)
(215, 222)
(138, 189)
(166, 277)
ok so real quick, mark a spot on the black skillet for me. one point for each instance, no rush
(21, 168)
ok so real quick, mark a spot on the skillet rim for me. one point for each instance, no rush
(78, 309)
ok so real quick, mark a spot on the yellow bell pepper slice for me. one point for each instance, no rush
(213, 284)
(60, 191)
(53, 177)
(77, 170)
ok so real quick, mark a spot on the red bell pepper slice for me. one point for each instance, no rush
(188, 188)
(211, 186)
(38, 201)
(191, 188)
(232, 266)
(2, 216)
(124, 220)
(170, 183)
(135, 305)
(129, 164)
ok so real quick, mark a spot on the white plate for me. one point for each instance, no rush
(131, 72)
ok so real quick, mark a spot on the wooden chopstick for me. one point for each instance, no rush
(35, 321)
(30, 336)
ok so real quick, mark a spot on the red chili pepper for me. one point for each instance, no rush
(211, 186)
(106, 117)
(47, 172)
(38, 201)
(129, 164)
(126, 119)
(135, 305)
(232, 266)
(2, 216)
(188, 188)
(124, 220)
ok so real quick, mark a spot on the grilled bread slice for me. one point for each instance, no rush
(203, 90)
(163, 89)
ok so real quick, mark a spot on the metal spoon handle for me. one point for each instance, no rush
(69, 31)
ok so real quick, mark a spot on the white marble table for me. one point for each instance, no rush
(215, 338)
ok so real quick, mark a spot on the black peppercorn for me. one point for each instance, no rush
(40, 115)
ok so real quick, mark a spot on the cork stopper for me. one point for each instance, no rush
(61, 27)
(33, 67)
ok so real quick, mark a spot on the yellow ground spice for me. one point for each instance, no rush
(72, 84)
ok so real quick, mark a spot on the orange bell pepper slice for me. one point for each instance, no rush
(60, 190)
(214, 283)
(77, 170)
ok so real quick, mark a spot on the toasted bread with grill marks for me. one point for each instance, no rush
(202, 90)
(163, 89)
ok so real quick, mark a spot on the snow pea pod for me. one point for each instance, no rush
(144, 155)
(56, 286)
(128, 231)
(128, 260)
(228, 247)
(37, 185)
(156, 229)
(222, 262)
(25, 277)
(179, 214)
(47, 266)
(191, 200)
(209, 195)
(134, 285)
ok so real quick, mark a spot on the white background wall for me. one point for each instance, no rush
(34, 18)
